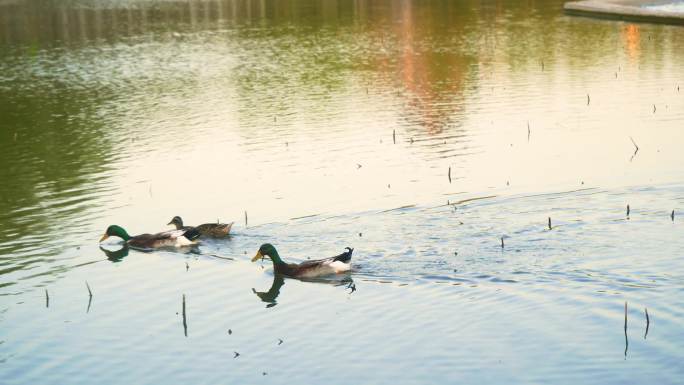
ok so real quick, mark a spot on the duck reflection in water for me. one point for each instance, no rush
(116, 255)
(119, 254)
(279, 280)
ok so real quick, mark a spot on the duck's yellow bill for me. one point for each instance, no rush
(104, 237)
(257, 257)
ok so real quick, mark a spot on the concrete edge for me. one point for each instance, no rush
(618, 11)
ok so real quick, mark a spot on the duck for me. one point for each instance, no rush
(207, 229)
(172, 238)
(316, 268)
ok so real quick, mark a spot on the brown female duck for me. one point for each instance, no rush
(207, 229)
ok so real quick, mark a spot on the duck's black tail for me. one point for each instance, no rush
(192, 234)
(346, 256)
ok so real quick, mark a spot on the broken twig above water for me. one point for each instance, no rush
(90, 297)
(636, 148)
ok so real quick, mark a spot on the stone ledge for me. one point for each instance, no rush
(630, 10)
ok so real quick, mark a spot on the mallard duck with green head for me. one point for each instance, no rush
(173, 238)
(333, 265)
(207, 229)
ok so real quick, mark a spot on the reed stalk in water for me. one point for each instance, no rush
(626, 340)
(185, 321)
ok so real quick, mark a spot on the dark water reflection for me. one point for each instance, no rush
(419, 133)
(116, 255)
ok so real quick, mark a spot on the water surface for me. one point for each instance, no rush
(419, 133)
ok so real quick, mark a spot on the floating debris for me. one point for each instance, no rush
(280, 341)
(549, 223)
(502, 243)
(528, 131)
(187, 267)
(394, 136)
(449, 174)
(236, 355)
(245, 218)
(47, 299)
(654, 109)
(588, 99)
(627, 211)
(542, 64)
(360, 234)
(230, 332)
(358, 166)
(672, 215)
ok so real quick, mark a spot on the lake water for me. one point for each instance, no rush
(419, 133)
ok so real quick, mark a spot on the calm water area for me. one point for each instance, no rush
(420, 133)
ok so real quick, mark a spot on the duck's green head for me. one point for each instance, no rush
(176, 221)
(115, 231)
(267, 250)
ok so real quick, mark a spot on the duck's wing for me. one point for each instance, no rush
(165, 238)
(344, 258)
(191, 234)
(151, 240)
